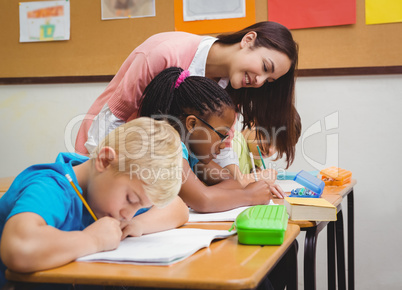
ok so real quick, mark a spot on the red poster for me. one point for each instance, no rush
(312, 13)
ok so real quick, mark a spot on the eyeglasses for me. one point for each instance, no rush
(223, 137)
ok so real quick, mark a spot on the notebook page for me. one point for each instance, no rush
(163, 248)
(224, 216)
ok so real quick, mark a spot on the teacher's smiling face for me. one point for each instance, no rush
(252, 66)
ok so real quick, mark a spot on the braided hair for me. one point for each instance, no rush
(167, 96)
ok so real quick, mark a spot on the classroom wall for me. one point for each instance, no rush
(361, 112)
(370, 142)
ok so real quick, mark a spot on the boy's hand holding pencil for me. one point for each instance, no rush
(132, 228)
(105, 234)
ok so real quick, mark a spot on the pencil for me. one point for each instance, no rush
(81, 197)
(259, 152)
(253, 165)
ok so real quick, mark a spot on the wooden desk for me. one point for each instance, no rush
(342, 190)
(224, 265)
(334, 194)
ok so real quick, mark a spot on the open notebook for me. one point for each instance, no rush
(163, 248)
(224, 216)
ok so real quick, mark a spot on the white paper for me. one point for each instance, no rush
(213, 9)
(44, 21)
(224, 216)
(120, 9)
(288, 185)
(163, 248)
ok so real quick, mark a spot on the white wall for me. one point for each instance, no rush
(370, 143)
(33, 120)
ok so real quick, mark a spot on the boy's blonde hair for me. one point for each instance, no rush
(150, 151)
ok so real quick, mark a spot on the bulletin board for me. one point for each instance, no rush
(97, 48)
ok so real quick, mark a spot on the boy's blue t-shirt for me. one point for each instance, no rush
(44, 189)
(192, 160)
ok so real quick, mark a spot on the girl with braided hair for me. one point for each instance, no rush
(203, 113)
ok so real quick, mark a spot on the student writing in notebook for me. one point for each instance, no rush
(203, 113)
(43, 220)
(246, 142)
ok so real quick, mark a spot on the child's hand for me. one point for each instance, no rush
(277, 190)
(132, 228)
(259, 192)
(106, 233)
(268, 175)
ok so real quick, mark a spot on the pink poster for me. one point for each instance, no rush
(296, 14)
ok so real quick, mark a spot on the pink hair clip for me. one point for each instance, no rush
(184, 74)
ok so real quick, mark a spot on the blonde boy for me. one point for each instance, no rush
(43, 222)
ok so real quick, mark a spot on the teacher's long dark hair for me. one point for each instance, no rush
(272, 105)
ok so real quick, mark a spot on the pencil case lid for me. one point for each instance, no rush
(262, 218)
(262, 225)
(310, 182)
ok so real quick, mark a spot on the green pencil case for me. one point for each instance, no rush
(262, 225)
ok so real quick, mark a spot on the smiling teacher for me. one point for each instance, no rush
(255, 65)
